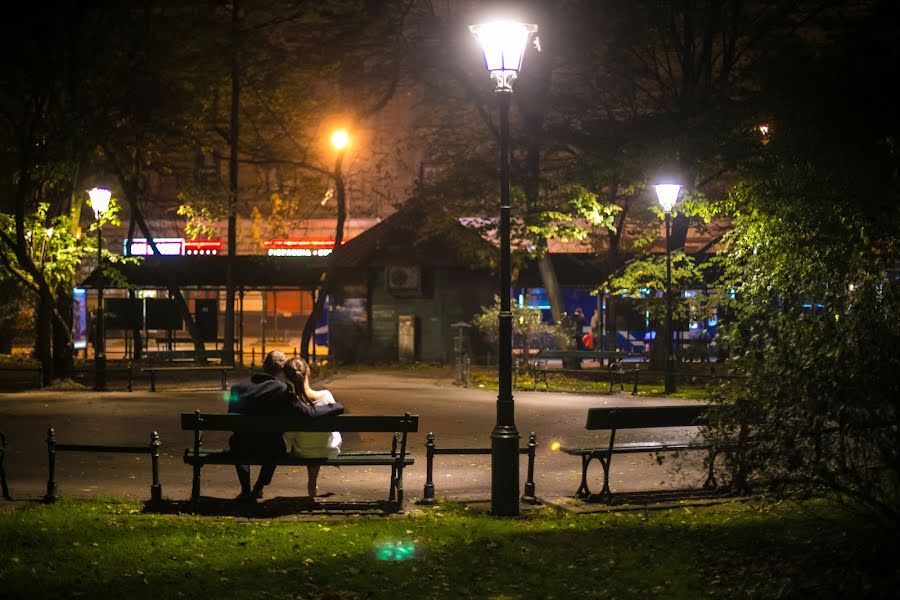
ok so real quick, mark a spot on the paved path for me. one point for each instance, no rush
(459, 417)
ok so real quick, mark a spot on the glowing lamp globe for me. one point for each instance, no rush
(340, 139)
(667, 193)
(503, 44)
(99, 200)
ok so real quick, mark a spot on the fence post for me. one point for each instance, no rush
(252, 360)
(634, 389)
(51, 457)
(155, 488)
(130, 376)
(5, 489)
(40, 371)
(428, 492)
(528, 497)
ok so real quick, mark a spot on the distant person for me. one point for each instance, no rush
(267, 394)
(310, 444)
(578, 326)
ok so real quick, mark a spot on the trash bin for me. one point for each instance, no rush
(406, 338)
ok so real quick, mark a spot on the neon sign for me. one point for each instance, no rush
(166, 247)
(202, 247)
(298, 247)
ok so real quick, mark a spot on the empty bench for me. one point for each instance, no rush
(397, 458)
(221, 369)
(615, 365)
(644, 417)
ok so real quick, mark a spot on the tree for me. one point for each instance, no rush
(812, 260)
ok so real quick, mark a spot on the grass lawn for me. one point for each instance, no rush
(761, 550)
(485, 378)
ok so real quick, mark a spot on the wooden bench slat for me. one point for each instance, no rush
(645, 416)
(225, 457)
(638, 447)
(261, 424)
(189, 368)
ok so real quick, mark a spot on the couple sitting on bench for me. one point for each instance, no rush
(281, 389)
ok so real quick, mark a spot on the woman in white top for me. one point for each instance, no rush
(310, 444)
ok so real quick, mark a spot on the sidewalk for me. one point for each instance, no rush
(459, 417)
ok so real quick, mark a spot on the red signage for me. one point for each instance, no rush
(298, 247)
(202, 247)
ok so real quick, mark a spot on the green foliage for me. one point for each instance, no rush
(644, 279)
(572, 206)
(528, 329)
(820, 399)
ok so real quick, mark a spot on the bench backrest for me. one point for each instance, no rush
(257, 424)
(646, 416)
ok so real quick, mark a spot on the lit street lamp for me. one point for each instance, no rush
(667, 193)
(100, 203)
(503, 43)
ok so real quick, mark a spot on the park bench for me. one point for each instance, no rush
(644, 417)
(221, 369)
(182, 355)
(615, 365)
(397, 458)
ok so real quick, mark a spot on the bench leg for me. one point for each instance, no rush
(152, 382)
(195, 485)
(583, 489)
(393, 490)
(399, 487)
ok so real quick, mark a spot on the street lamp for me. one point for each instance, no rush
(503, 44)
(100, 203)
(667, 193)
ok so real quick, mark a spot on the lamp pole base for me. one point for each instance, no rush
(505, 471)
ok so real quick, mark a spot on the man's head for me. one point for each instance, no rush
(274, 363)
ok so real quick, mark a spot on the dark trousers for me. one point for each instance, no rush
(262, 449)
(264, 478)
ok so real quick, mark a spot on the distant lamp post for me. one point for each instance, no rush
(667, 193)
(100, 203)
(504, 43)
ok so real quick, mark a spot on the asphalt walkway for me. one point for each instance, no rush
(459, 417)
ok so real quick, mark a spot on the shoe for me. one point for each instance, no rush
(256, 494)
(244, 496)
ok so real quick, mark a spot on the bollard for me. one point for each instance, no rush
(428, 491)
(528, 496)
(155, 487)
(51, 458)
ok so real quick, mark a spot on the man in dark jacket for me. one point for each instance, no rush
(266, 394)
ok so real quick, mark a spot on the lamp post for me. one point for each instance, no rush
(100, 203)
(667, 194)
(503, 44)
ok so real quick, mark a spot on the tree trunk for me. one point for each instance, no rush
(43, 338)
(63, 357)
(131, 195)
(309, 327)
(228, 347)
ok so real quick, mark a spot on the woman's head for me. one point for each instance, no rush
(296, 370)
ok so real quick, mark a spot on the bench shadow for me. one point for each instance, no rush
(280, 506)
(661, 497)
